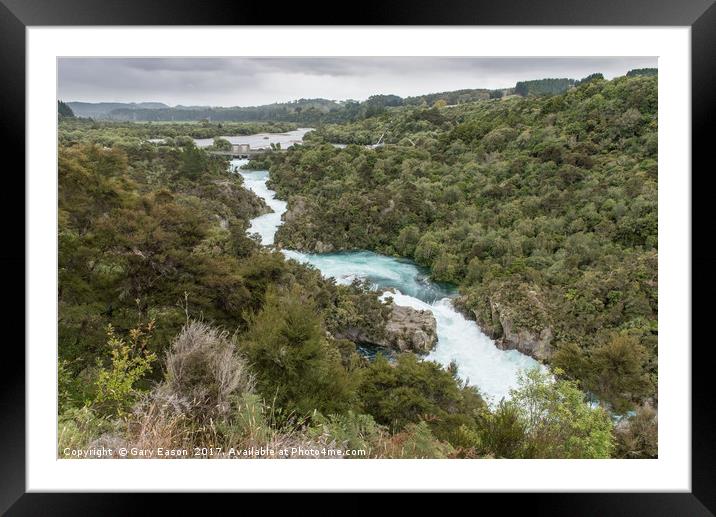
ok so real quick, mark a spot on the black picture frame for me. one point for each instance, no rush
(16, 15)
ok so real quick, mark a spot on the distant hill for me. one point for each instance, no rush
(451, 97)
(316, 111)
(102, 109)
(302, 110)
(643, 72)
(306, 111)
(543, 86)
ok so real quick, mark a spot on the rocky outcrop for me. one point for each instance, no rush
(518, 322)
(296, 209)
(321, 247)
(238, 200)
(298, 231)
(530, 342)
(411, 329)
(406, 330)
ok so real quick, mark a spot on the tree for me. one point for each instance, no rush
(618, 372)
(504, 432)
(411, 390)
(647, 72)
(446, 268)
(407, 240)
(570, 358)
(543, 86)
(193, 162)
(637, 436)
(64, 111)
(130, 362)
(558, 422)
(222, 144)
(297, 368)
(591, 77)
(427, 250)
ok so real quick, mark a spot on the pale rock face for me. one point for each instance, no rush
(537, 345)
(530, 343)
(297, 207)
(321, 247)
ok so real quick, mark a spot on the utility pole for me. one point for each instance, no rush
(380, 139)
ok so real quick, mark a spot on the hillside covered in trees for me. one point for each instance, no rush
(542, 209)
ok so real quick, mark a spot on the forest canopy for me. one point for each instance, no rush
(542, 209)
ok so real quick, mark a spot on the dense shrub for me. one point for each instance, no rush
(411, 391)
(298, 369)
(204, 366)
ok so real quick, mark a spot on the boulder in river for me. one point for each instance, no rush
(411, 329)
(406, 330)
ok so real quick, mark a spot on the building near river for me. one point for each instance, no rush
(240, 149)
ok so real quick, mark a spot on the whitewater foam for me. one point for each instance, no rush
(267, 224)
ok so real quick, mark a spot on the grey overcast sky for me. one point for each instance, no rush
(241, 81)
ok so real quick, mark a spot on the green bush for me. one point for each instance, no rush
(116, 385)
(297, 368)
(558, 421)
(412, 390)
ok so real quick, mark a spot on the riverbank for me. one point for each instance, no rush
(285, 139)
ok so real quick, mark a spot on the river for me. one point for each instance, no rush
(479, 361)
(261, 140)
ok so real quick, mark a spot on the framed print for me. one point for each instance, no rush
(452, 247)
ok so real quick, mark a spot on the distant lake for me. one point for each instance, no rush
(261, 140)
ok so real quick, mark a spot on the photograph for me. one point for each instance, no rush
(437, 250)
(357, 257)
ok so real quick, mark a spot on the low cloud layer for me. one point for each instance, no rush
(227, 81)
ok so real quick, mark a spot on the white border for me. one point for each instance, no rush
(671, 472)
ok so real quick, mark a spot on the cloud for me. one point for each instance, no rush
(232, 81)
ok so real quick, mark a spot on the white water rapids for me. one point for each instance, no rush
(479, 361)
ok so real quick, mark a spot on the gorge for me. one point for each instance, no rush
(459, 339)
